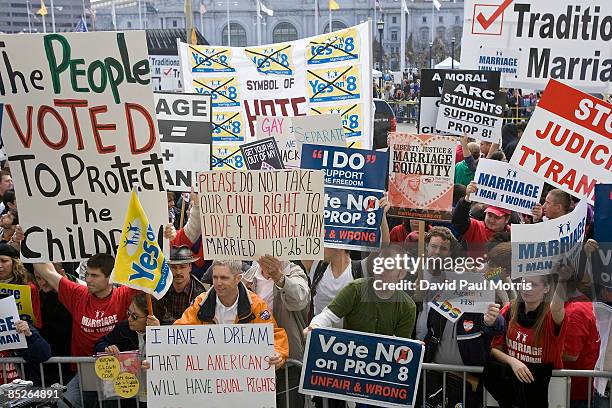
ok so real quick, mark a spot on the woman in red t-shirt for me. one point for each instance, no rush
(535, 329)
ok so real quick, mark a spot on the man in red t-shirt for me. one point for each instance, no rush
(95, 309)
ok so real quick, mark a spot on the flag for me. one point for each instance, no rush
(194, 37)
(81, 26)
(140, 262)
(379, 5)
(42, 11)
(405, 7)
(437, 4)
(333, 5)
(265, 9)
(202, 8)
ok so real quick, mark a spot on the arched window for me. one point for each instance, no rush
(441, 33)
(336, 25)
(238, 35)
(424, 33)
(284, 32)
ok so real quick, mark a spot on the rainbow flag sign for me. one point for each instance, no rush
(140, 262)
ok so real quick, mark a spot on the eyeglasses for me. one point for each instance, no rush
(134, 316)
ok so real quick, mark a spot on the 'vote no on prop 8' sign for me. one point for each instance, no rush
(361, 367)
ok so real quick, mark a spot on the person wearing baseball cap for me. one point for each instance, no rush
(185, 287)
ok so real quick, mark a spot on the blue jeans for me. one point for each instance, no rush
(73, 395)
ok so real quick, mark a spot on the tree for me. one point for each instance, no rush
(439, 51)
(410, 49)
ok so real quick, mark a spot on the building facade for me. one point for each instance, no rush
(294, 19)
(67, 13)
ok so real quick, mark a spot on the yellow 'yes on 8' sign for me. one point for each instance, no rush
(352, 117)
(223, 91)
(337, 46)
(210, 59)
(227, 126)
(227, 157)
(277, 59)
(333, 84)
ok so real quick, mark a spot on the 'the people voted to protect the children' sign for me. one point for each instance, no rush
(361, 367)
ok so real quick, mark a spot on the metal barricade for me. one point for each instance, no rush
(82, 362)
(405, 111)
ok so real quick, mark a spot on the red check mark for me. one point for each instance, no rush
(168, 71)
(486, 22)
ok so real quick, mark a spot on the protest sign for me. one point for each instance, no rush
(421, 175)
(79, 139)
(567, 141)
(227, 157)
(475, 110)
(367, 368)
(432, 81)
(9, 338)
(140, 261)
(303, 77)
(504, 186)
(248, 214)
(23, 300)
(323, 130)
(118, 375)
(262, 155)
(185, 137)
(218, 365)
(281, 129)
(354, 182)
(603, 234)
(467, 293)
(166, 73)
(534, 40)
(537, 249)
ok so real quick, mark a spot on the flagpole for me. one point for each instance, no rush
(229, 36)
(375, 19)
(140, 15)
(259, 22)
(201, 21)
(29, 20)
(402, 36)
(52, 16)
(316, 17)
(113, 15)
(433, 22)
(85, 14)
(330, 16)
(44, 25)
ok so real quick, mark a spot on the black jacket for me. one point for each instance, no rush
(121, 336)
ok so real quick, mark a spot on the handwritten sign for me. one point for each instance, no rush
(212, 365)
(281, 129)
(23, 299)
(361, 367)
(118, 375)
(262, 155)
(245, 215)
(80, 132)
(466, 293)
(9, 338)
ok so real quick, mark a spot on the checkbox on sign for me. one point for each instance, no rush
(488, 19)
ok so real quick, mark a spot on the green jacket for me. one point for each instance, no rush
(364, 311)
(463, 174)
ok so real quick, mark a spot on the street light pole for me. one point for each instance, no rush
(430, 58)
(453, 53)
(381, 26)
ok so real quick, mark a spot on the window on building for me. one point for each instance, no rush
(174, 23)
(129, 24)
(425, 19)
(394, 20)
(393, 35)
(457, 19)
(336, 25)
(441, 19)
(425, 35)
(237, 33)
(284, 32)
(441, 33)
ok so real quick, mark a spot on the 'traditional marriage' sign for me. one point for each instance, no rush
(80, 131)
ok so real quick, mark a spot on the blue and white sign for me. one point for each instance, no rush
(354, 182)
(505, 186)
(368, 368)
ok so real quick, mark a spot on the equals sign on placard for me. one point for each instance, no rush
(178, 131)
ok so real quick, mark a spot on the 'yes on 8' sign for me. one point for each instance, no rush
(276, 60)
(337, 46)
(227, 158)
(351, 117)
(210, 59)
(223, 92)
(227, 126)
(334, 84)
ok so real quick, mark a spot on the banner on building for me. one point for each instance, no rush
(502, 185)
(362, 367)
(9, 338)
(432, 82)
(248, 214)
(567, 141)
(539, 249)
(354, 182)
(77, 146)
(421, 175)
(23, 299)
(217, 365)
(328, 73)
(262, 155)
(475, 110)
(184, 122)
(536, 40)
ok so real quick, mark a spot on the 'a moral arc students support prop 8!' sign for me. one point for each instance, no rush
(354, 182)
(432, 82)
(532, 41)
(502, 185)
(538, 249)
(216, 365)
(80, 131)
(475, 110)
(185, 137)
(248, 214)
(568, 141)
(421, 175)
(368, 368)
